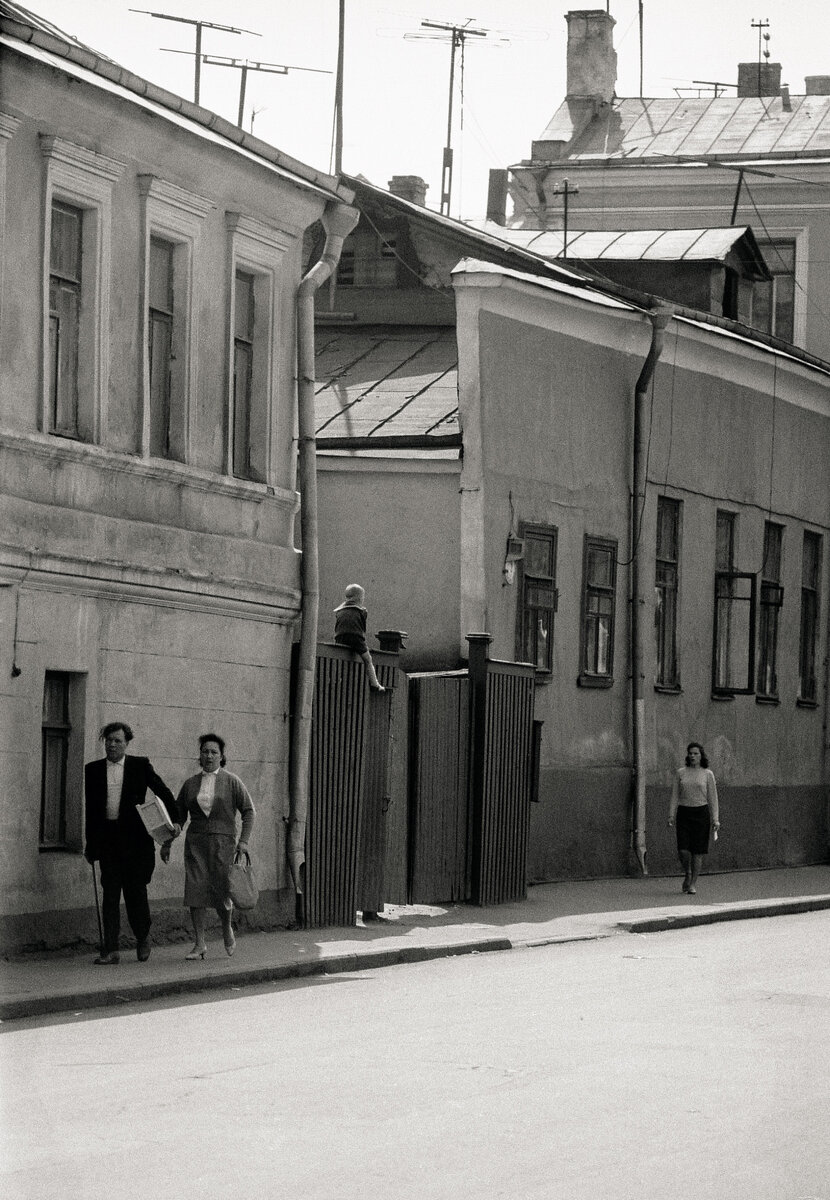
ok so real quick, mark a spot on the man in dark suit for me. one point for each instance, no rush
(116, 837)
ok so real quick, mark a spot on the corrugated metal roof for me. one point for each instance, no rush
(688, 128)
(386, 382)
(665, 245)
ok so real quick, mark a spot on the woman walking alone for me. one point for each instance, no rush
(693, 808)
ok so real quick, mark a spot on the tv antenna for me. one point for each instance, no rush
(244, 65)
(457, 36)
(200, 25)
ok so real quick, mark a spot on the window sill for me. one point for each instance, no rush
(59, 850)
(668, 690)
(806, 703)
(719, 696)
(595, 681)
(543, 677)
(773, 700)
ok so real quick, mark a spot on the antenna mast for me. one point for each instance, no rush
(760, 26)
(200, 25)
(458, 34)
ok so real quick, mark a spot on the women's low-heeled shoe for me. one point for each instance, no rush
(196, 952)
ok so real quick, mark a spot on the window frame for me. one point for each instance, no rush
(171, 214)
(84, 180)
(592, 678)
(69, 732)
(667, 614)
(161, 318)
(770, 603)
(8, 127)
(809, 629)
(257, 250)
(527, 580)
(242, 372)
(65, 283)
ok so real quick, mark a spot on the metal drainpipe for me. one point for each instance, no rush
(659, 320)
(338, 221)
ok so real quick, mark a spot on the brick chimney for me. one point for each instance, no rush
(592, 59)
(591, 81)
(497, 196)
(756, 79)
(817, 85)
(409, 187)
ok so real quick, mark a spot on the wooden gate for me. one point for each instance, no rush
(348, 785)
(471, 778)
(439, 706)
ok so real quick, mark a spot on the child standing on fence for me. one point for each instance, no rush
(350, 630)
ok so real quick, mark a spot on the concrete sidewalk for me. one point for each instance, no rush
(37, 985)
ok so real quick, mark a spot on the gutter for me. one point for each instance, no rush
(659, 320)
(338, 221)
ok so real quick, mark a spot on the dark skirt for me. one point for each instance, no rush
(207, 857)
(693, 824)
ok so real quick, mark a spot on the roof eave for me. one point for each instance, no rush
(113, 73)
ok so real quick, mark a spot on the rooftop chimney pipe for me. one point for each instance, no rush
(592, 59)
(409, 187)
(759, 79)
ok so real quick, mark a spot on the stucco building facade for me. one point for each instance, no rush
(151, 258)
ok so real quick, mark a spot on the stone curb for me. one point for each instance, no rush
(336, 964)
(369, 959)
(753, 909)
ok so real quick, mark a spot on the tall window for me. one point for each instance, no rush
(599, 583)
(733, 646)
(538, 597)
(243, 364)
(55, 753)
(61, 761)
(76, 239)
(772, 598)
(160, 350)
(65, 259)
(808, 641)
(666, 585)
(773, 303)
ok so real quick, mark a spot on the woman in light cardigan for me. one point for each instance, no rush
(211, 800)
(694, 808)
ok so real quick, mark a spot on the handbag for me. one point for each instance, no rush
(242, 885)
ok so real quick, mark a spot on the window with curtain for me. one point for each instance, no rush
(538, 597)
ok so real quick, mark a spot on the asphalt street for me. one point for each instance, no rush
(693, 1062)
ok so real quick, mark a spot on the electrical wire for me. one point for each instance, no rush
(787, 271)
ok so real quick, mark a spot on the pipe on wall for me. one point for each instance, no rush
(338, 222)
(659, 320)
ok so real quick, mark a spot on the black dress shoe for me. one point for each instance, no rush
(108, 960)
(142, 950)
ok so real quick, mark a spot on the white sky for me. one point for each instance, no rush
(396, 89)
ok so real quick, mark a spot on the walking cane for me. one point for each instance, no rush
(98, 910)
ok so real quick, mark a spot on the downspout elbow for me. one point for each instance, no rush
(659, 320)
